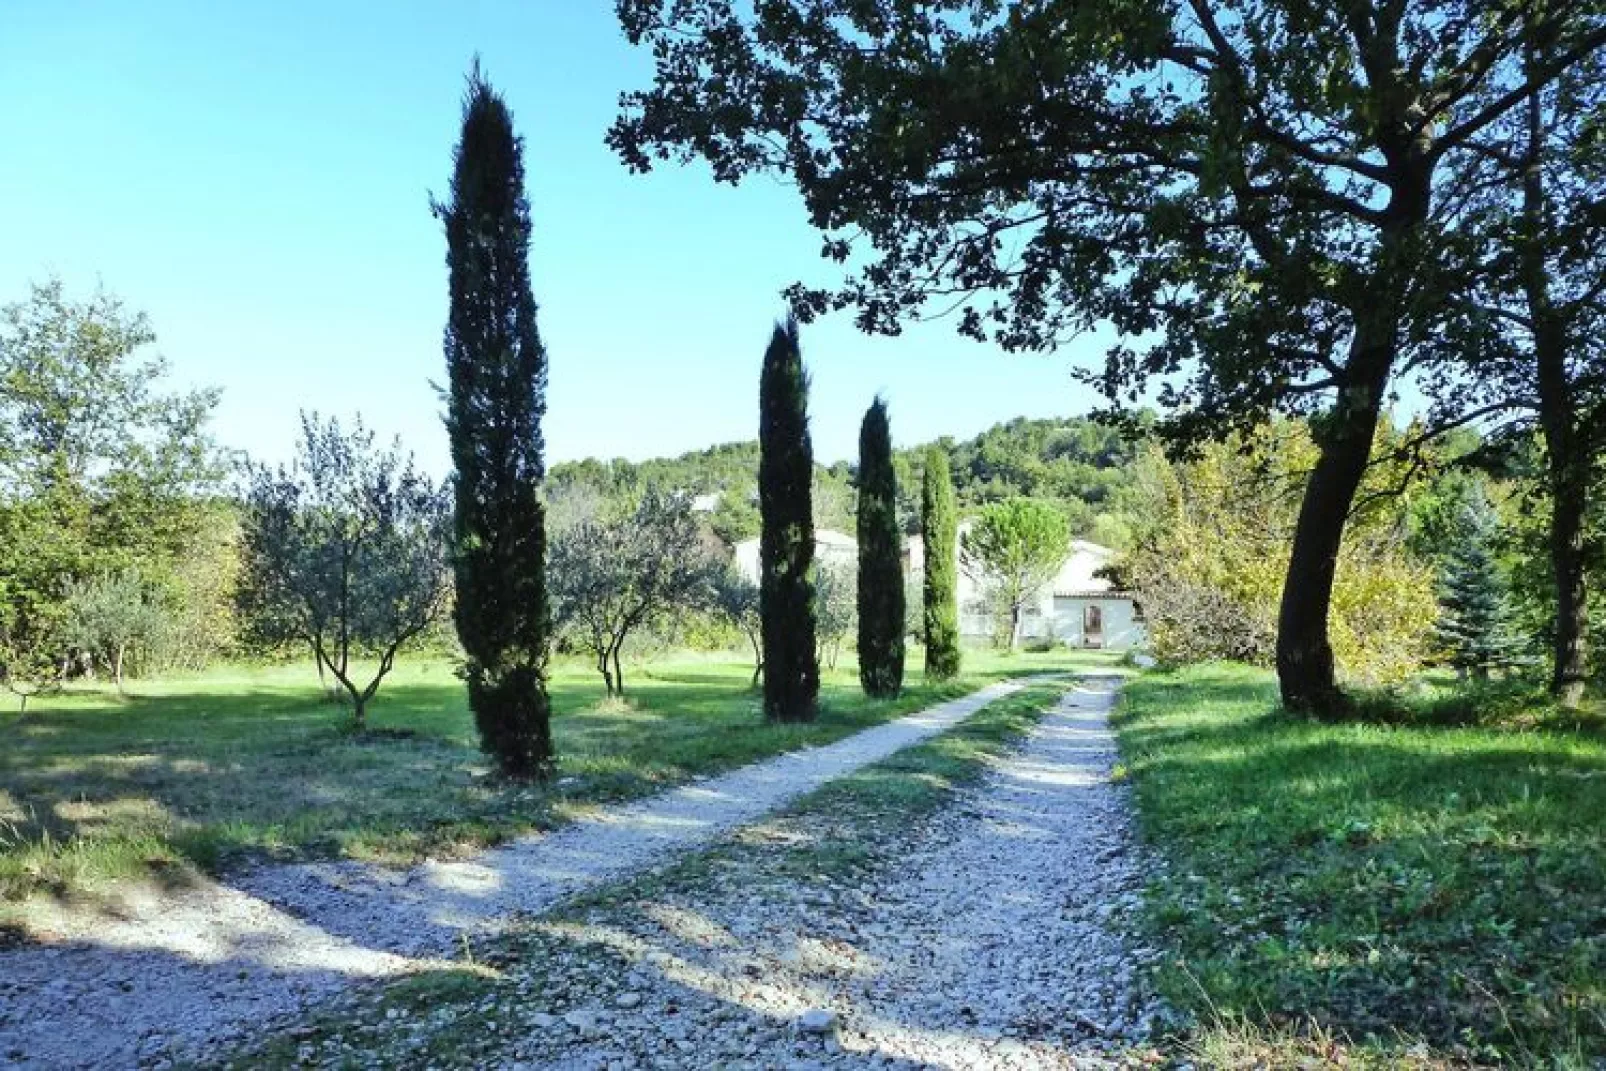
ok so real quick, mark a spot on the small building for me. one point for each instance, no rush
(1078, 607)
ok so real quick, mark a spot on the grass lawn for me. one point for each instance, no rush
(1377, 894)
(244, 762)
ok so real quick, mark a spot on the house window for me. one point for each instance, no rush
(1093, 620)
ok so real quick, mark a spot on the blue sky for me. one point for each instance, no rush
(256, 178)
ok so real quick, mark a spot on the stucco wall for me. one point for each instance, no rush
(1121, 632)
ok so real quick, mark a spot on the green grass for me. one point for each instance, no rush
(1404, 893)
(835, 833)
(96, 788)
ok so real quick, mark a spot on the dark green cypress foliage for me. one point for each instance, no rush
(881, 608)
(1473, 622)
(786, 543)
(939, 527)
(496, 396)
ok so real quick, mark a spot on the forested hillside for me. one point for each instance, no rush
(1082, 465)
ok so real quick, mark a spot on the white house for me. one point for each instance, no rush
(830, 548)
(1077, 607)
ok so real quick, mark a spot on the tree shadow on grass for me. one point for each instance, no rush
(1445, 883)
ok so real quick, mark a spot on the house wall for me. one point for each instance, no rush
(1122, 631)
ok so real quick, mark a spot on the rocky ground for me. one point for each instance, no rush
(992, 934)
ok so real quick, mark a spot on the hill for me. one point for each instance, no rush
(1082, 465)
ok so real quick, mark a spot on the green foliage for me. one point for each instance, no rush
(100, 470)
(611, 579)
(939, 588)
(1263, 234)
(1212, 545)
(345, 551)
(736, 599)
(836, 610)
(1081, 465)
(1423, 891)
(110, 616)
(496, 398)
(1012, 550)
(880, 588)
(786, 544)
(1473, 626)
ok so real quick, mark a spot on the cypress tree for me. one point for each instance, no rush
(786, 542)
(939, 525)
(495, 399)
(881, 608)
(1473, 627)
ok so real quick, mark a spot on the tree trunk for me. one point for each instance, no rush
(1305, 670)
(359, 713)
(618, 672)
(605, 668)
(1014, 627)
(117, 667)
(1569, 483)
(1565, 440)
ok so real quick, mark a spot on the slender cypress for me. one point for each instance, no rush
(786, 543)
(496, 397)
(881, 607)
(939, 526)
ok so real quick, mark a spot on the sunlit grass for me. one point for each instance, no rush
(247, 761)
(1410, 892)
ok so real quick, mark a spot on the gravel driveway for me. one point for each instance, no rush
(193, 969)
(1001, 939)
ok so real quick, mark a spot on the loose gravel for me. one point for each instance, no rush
(998, 934)
(185, 972)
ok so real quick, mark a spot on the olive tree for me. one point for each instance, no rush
(611, 577)
(345, 550)
(736, 598)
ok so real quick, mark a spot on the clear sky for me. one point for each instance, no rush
(255, 177)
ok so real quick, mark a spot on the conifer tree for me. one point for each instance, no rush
(881, 607)
(495, 399)
(1473, 622)
(786, 541)
(939, 525)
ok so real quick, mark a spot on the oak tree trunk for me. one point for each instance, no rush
(1306, 672)
(1565, 440)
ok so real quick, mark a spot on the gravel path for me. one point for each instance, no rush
(200, 967)
(999, 937)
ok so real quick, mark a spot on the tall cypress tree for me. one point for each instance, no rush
(939, 528)
(786, 543)
(881, 607)
(496, 397)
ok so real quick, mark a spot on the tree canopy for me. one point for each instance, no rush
(1264, 232)
(1011, 550)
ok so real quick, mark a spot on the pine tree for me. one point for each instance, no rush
(1473, 622)
(939, 526)
(881, 608)
(496, 397)
(786, 542)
